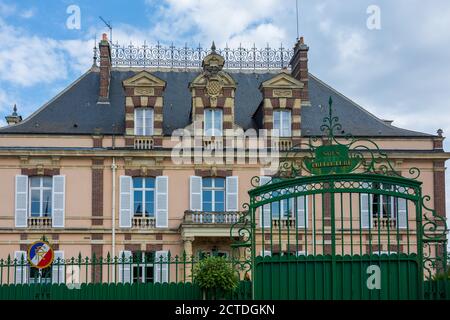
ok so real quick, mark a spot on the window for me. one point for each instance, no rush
(202, 254)
(143, 269)
(282, 122)
(144, 197)
(143, 121)
(382, 205)
(40, 276)
(213, 194)
(41, 196)
(283, 209)
(213, 122)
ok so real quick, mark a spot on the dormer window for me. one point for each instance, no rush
(282, 122)
(143, 121)
(213, 122)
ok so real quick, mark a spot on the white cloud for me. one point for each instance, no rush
(27, 14)
(27, 60)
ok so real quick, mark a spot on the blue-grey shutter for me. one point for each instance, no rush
(21, 202)
(232, 189)
(125, 263)
(126, 201)
(58, 199)
(21, 270)
(161, 266)
(195, 184)
(58, 274)
(162, 202)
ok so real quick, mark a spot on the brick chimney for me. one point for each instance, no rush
(105, 69)
(299, 65)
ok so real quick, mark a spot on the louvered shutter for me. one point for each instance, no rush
(125, 263)
(58, 199)
(58, 274)
(21, 269)
(232, 189)
(21, 201)
(302, 212)
(126, 201)
(366, 205)
(266, 216)
(402, 213)
(161, 267)
(195, 184)
(162, 203)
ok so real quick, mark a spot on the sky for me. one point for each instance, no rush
(399, 71)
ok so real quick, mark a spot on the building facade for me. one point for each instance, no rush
(95, 170)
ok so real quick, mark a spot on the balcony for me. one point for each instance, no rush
(284, 223)
(211, 218)
(212, 143)
(283, 144)
(143, 223)
(384, 223)
(143, 143)
(39, 222)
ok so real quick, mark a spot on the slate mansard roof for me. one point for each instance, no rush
(76, 111)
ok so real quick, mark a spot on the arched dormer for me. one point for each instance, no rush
(213, 92)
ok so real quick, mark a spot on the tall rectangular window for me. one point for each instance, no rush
(143, 121)
(383, 205)
(41, 196)
(213, 194)
(282, 122)
(143, 269)
(144, 197)
(213, 122)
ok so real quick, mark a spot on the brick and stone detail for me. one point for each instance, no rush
(213, 173)
(299, 66)
(40, 172)
(147, 95)
(213, 89)
(148, 173)
(439, 187)
(97, 250)
(282, 98)
(97, 192)
(105, 69)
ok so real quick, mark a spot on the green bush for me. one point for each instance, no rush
(442, 275)
(215, 273)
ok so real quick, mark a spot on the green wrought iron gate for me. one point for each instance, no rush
(337, 221)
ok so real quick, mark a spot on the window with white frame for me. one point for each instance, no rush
(213, 122)
(213, 194)
(282, 122)
(144, 197)
(143, 121)
(143, 268)
(41, 196)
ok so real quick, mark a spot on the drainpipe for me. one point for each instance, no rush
(113, 213)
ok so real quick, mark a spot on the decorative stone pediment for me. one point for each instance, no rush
(282, 80)
(144, 79)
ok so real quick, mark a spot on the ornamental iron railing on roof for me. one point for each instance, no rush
(189, 58)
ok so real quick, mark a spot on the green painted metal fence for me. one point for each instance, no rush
(311, 277)
(127, 291)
